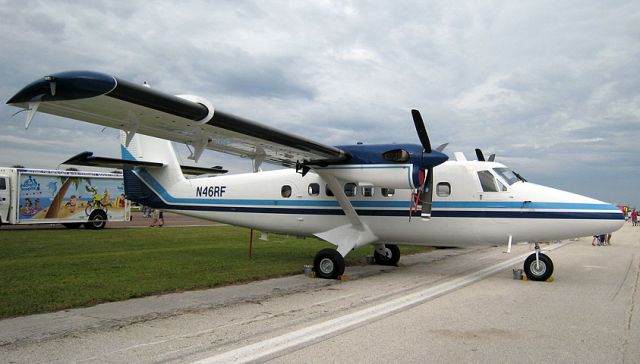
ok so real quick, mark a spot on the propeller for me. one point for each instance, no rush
(480, 156)
(441, 147)
(426, 190)
(422, 131)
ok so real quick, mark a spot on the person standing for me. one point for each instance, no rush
(634, 217)
(158, 218)
(155, 214)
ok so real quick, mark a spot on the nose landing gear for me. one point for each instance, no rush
(538, 266)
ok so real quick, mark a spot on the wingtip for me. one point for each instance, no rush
(69, 85)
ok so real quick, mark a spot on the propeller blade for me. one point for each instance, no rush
(492, 158)
(479, 155)
(426, 197)
(422, 131)
(441, 147)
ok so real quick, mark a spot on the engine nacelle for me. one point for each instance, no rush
(202, 101)
(379, 175)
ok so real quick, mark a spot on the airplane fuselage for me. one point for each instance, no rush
(463, 214)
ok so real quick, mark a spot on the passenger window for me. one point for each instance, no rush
(367, 191)
(350, 189)
(3, 184)
(443, 189)
(285, 191)
(314, 189)
(328, 191)
(487, 181)
(387, 192)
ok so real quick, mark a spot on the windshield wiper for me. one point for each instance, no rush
(519, 176)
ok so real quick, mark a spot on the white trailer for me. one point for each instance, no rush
(70, 198)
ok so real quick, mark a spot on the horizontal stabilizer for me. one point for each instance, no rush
(87, 159)
(202, 170)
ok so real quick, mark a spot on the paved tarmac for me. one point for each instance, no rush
(453, 305)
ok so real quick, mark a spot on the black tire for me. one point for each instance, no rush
(392, 260)
(328, 264)
(97, 220)
(72, 225)
(541, 273)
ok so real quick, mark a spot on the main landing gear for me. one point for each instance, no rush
(538, 266)
(329, 264)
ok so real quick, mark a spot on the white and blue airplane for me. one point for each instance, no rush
(350, 195)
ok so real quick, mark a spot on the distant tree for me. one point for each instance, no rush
(17, 166)
(71, 169)
(116, 171)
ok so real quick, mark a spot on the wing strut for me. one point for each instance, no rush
(349, 236)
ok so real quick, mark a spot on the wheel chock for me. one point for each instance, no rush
(343, 278)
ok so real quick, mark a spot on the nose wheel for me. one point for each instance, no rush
(538, 266)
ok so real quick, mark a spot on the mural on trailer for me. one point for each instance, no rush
(72, 198)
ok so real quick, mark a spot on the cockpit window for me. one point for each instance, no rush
(509, 176)
(501, 186)
(488, 181)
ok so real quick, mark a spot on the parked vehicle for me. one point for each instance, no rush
(70, 198)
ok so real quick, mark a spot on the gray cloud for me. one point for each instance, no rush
(552, 87)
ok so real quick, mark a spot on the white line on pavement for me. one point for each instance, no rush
(270, 348)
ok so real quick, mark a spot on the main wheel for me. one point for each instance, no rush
(97, 220)
(328, 264)
(391, 256)
(538, 271)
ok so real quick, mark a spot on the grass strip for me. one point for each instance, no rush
(50, 270)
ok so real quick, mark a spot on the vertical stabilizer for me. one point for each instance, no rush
(146, 148)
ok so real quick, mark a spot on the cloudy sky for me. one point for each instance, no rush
(552, 87)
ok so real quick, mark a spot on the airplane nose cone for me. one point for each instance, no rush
(574, 215)
(603, 217)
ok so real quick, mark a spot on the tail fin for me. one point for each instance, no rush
(146, 185)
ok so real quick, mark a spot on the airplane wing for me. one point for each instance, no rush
(109, 101)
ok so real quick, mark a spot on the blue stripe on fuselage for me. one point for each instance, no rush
(162, 199)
